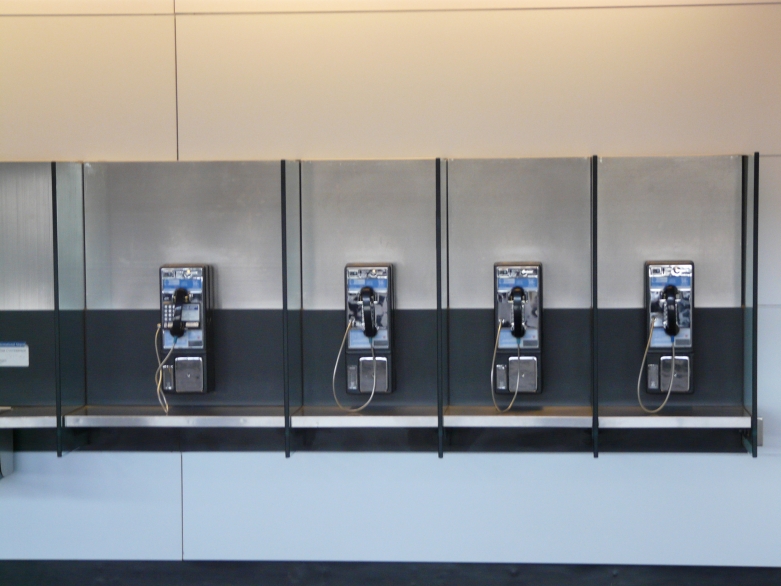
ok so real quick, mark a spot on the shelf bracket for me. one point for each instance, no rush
(6, 452)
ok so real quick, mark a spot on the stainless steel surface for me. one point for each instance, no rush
(139, 216)
(70, 235)
(26, 252)
(376, 416)
(293, 224)
(28, 417)
(373, 369)
(522, 372)
(369, 211)
(6, 452)
(632, 417)
(682, 374)
(760, 431)
(92, 416)
(669, 207)
(530, 209)
(188, 374)
(579, 417)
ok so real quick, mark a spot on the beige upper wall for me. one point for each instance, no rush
(87, 88)
(653, 81)
(631, 81)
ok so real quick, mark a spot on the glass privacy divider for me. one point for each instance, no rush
(28, 317)
(519, 274)
(750, 292)
(225, 216)
(368, 304)
(675, 244)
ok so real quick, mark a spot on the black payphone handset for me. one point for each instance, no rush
(185, 313)
(369, 311)
(669, 307)
(515, 366)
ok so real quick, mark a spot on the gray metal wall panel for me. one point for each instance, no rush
(369, 211)
(70, 235)
(671, 208)
(26, 261)
(520, 209)
(139, 216)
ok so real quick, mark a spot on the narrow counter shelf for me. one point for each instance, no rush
(153, 416)
(373, 416)
(691, 417)
(28, 417)
(488, 416)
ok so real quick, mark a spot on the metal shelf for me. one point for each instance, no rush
(28, 417)
(632, 417)
(488, 416)
(138, 416)
(372, 416)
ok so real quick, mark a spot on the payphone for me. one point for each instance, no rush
(669, 304)
(516, 364)
(369, 334)
(185, 321)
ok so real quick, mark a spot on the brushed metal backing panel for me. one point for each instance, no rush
(519, 210)
(70, 235)
(368, 211)
(26, 252)
(139, 216)
(704, 195)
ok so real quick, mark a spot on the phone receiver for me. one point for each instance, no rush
(180, 298)
(518, 299)
(367, 307)
(670, 294)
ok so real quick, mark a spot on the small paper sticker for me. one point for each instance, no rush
(14, 354)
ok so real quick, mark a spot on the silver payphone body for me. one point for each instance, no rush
(516, 366)
(185, 318)
(369, 305)
(669, 304)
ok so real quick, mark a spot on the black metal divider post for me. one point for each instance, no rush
(56, 315)
(285, 353)
(441, 361)
(755, 294)
(594, 315)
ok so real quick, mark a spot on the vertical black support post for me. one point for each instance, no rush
(285, 353)
(56, 279)
(440, 350)
(594, 313)
(755, 296)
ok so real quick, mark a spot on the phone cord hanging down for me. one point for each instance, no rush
(642, 368)
(336, 366)
(159, 372)
(493, 366)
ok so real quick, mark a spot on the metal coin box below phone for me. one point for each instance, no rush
(518, 307)
(670, 303)
(185, 313)
(369, 303)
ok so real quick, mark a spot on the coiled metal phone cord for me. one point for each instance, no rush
(493, 366)
(350, 324)
(642, 368)
(159, 372)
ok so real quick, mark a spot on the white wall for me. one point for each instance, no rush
(613, 81)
